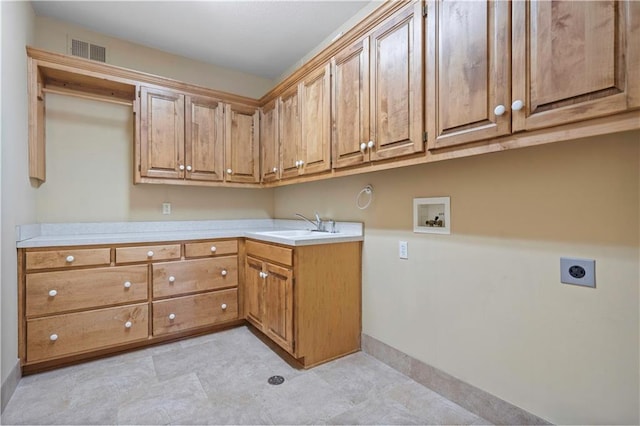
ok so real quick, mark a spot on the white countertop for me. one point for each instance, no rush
(72, 234)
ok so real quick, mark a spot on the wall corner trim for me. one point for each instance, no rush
(10, 384)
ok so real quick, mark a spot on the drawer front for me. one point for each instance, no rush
(182, 313)
(210, 248)
(188, 276)
(147, 253)
(65, 258)
(270, 252)
(67, 334)
(60, 291)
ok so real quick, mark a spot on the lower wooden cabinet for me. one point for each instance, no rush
(67, 334)
(78, 302)
(306, 299)
(183, 313)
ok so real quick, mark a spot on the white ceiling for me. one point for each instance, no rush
(263, 38)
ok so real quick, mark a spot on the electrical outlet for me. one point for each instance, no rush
(166, 208)
(578, 271)
(403, 249)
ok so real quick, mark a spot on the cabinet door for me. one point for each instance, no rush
(254, 292)
(315, 120)
(289, 133)
(574, 60)
(350, 105)
(269, 143)
(278, 303)
(242, 163)
(203, 139)
(161, 133)
(396, 85)
(468, 71)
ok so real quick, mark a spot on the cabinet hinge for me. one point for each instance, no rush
(139, 168)
(139, 93)
(424, 10)
(424, 137)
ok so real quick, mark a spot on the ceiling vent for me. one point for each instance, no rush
(84, 49)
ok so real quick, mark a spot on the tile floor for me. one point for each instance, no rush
(222, 379)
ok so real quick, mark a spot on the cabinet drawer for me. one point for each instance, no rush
(270, 252)
(186, 312)
(189, 276)
(65, 258)
(147, 253)
(66, 334)
(55, 292)
(210, 248)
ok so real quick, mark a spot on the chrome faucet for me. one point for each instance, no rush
(319, 224)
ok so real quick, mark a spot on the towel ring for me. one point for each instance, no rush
(368, 190)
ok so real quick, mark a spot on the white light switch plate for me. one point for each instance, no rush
(166, 208)
(403, 250)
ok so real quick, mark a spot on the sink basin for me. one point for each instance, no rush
(290, 233)
(300, 234)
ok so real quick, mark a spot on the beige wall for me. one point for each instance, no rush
(52, 35)
(89, 174)
(485, 303)
(18, 198)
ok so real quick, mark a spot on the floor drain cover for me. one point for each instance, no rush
(276, 380)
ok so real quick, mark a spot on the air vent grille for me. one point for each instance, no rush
(88, 50)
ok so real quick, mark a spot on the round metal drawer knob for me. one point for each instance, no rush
(52, 293)
(172, 279)
(224, 272)
(127, 284)
(150, 253)
(127, 324)
(224, 306)
(213, 249)
(53, 337)
(70, 259)
(172, 316)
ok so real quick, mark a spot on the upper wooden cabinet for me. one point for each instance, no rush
(161, 134)
(468, 71)
(203, 139)
(269, 143)
(305, 125)
(377, 92)
(396, 85)
(493, 68)
(289, 133)
(574, 61)
(350, 105)
(188, 137)
(242, 158)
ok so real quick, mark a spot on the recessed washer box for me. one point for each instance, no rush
(578, 271)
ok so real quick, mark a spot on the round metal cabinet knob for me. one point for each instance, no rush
(172, 279)
(189, 168)
(499, 110)
(127, 284)
(70, 259)
(224, 272)
(213, 249)
(52, 293)
(150, 253)
(224, 306)
(517, 105)
(53, 337)
(172, 316)
(274, 170)
(181, 167)
(363, 147)
(127, 324)
(370, 144)
(229, 171)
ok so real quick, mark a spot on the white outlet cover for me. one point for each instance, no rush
(403, 250)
